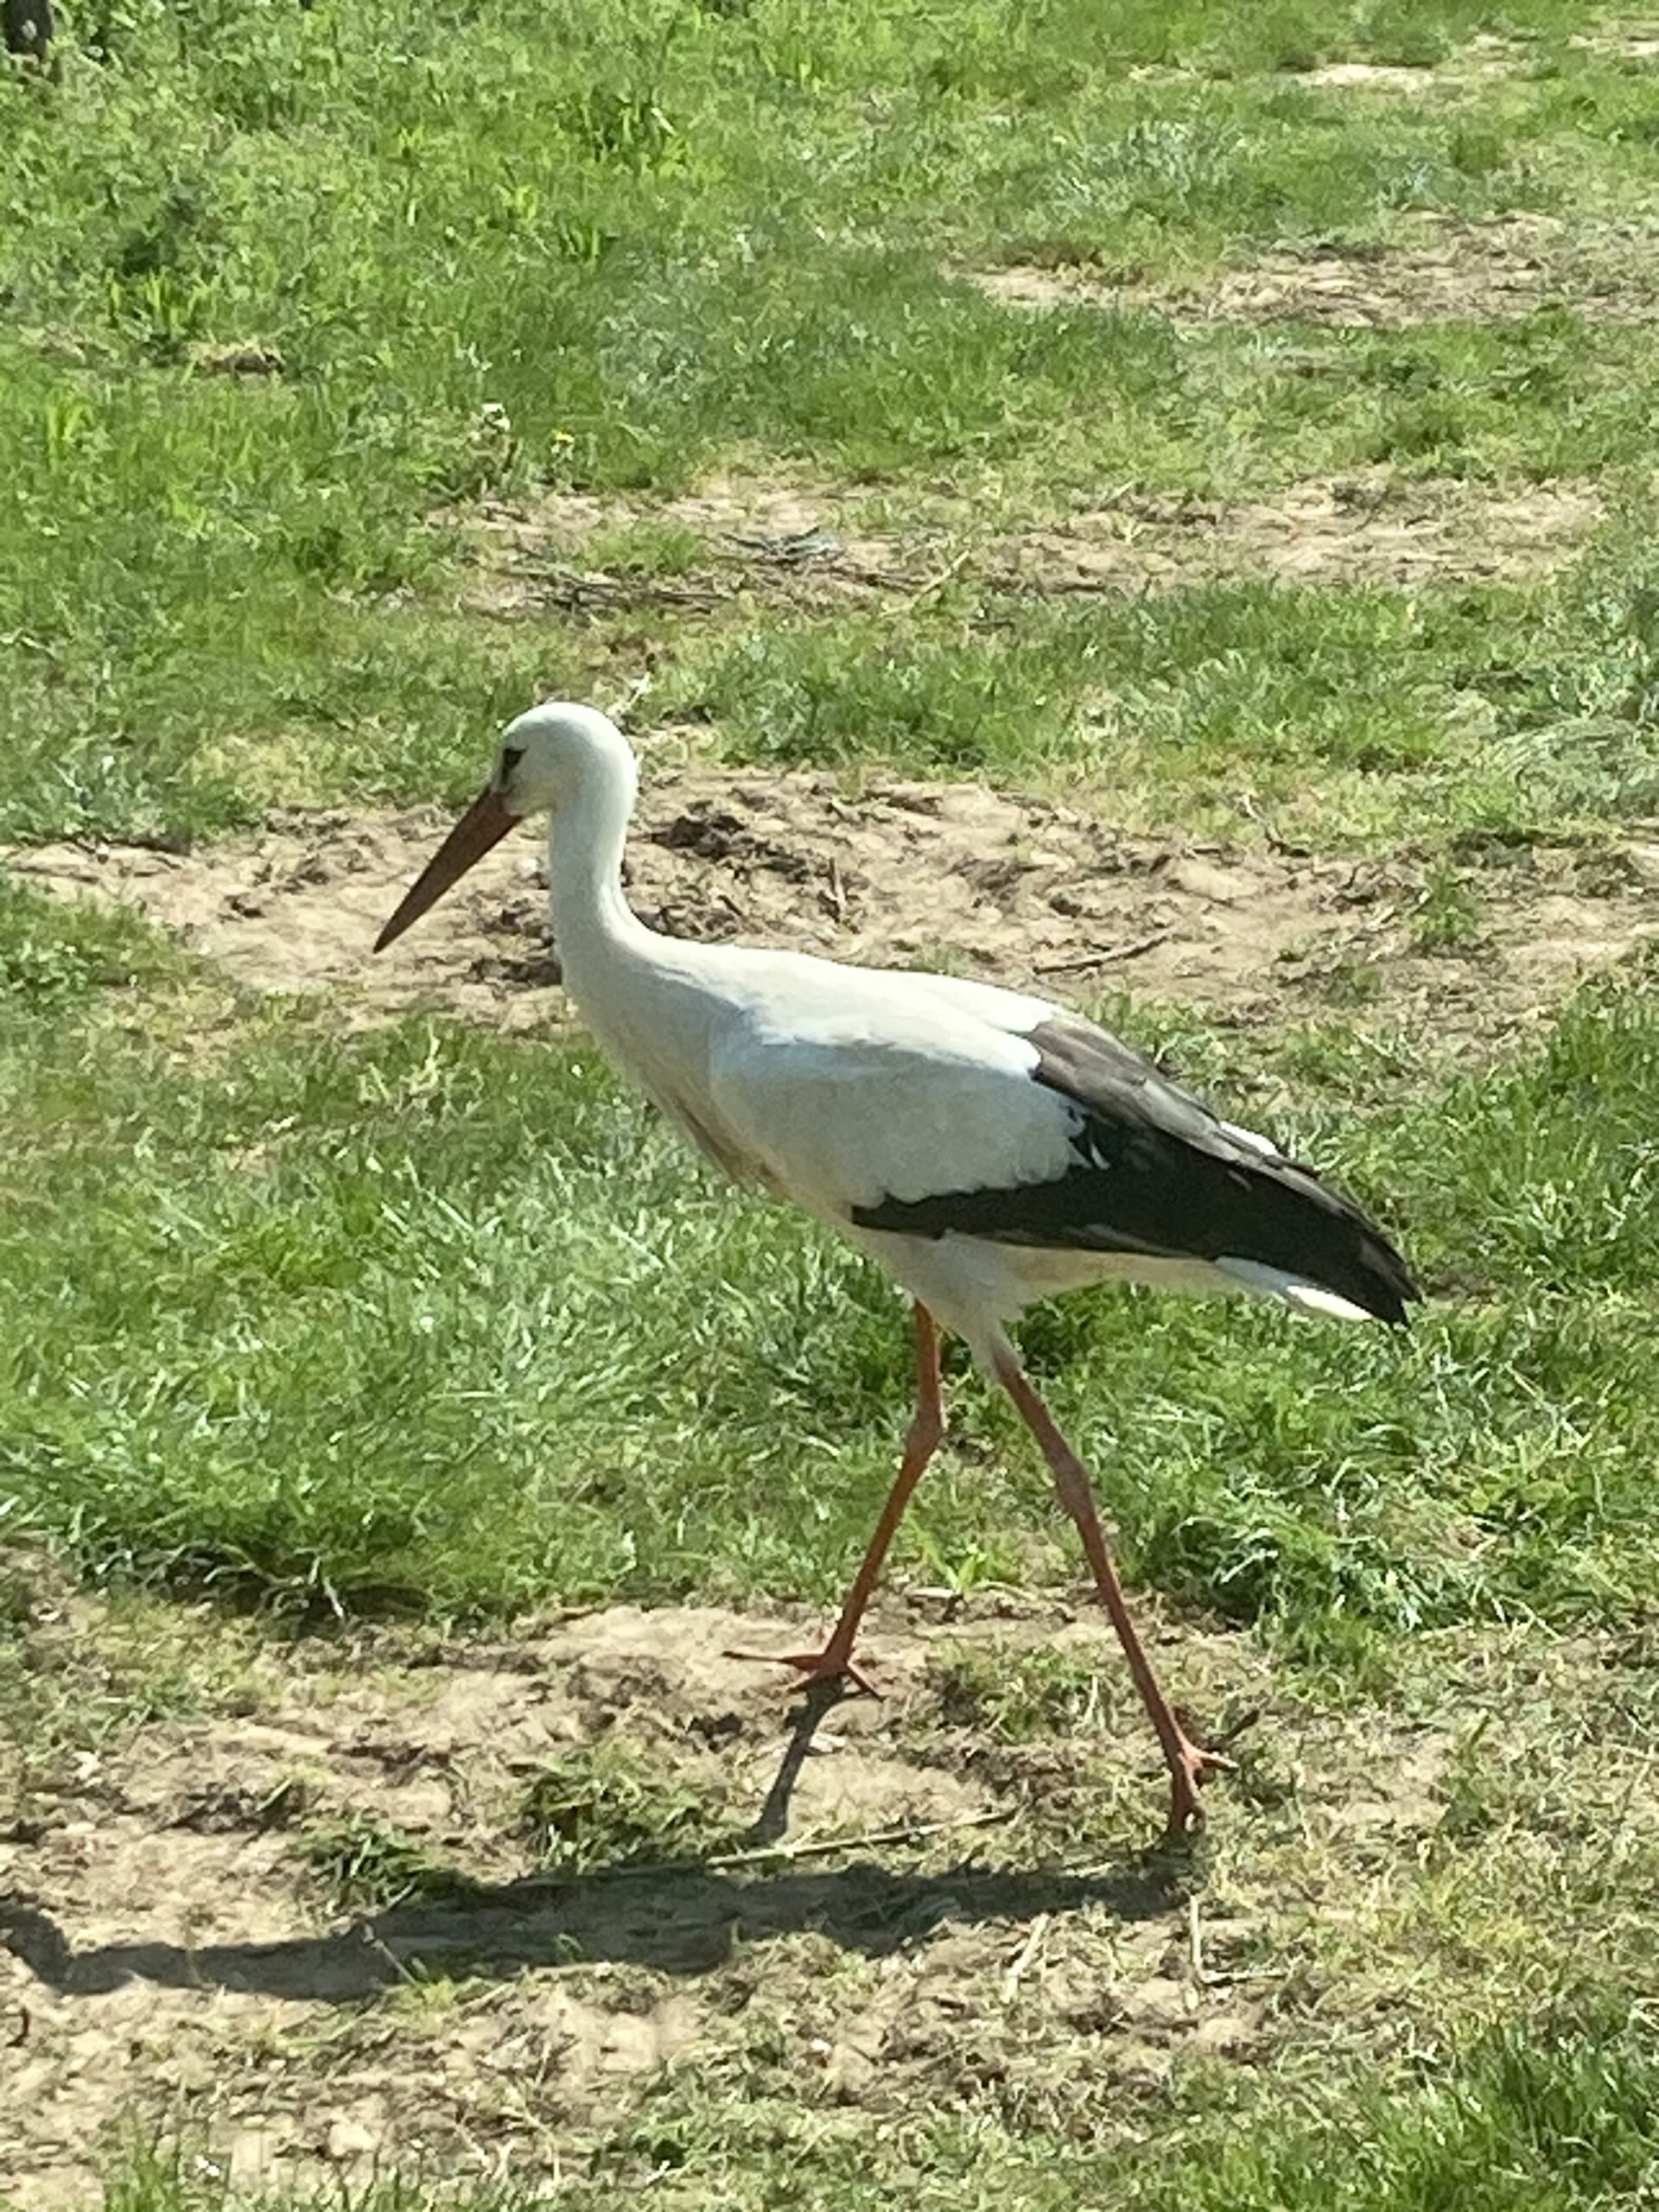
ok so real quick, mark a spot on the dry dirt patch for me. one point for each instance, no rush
(1457, 76)
(1459, 73)
(943, 1916)
(813, 550)
(793, 541)
(1016, 890)
(1481, 60)
(166, 1958)
(1635, 43)
(1360, 529)
(1436, 269)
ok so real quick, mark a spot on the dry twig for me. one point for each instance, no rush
(1029, 1951)
(1131, 949)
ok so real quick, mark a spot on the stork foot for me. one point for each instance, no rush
(814, 1667)
(1188, 1765)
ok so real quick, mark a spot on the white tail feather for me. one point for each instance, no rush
(1294, 1290)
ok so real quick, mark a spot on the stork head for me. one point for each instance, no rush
(550, 758)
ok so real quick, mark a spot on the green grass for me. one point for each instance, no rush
(716, 234)
(442, 1321)
(1361, 716)
(365, 1866)
(1556, 2116)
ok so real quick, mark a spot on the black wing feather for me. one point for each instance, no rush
(1155, 1173)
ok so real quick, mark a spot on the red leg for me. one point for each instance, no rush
(1187, 1764)
(836, 1660)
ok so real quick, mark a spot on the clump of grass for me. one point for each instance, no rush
(1557, 2111)
(366, 1865)
(1016, 1696)
(611, 1805)
(1446, 917)
(55, 956)
(193, 2174)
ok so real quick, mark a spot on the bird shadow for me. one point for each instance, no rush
(683, 1916)
(681, 1919)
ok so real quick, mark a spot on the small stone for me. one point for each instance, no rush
(349, 2138)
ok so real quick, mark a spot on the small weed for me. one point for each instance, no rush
(662, 549)
(54, 956)
(1473, 1787)
(1446, 915)
(631, 128)
(1348, 980)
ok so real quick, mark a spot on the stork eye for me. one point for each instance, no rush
(511, 756)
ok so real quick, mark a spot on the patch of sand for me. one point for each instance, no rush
(812, 549)
(167, 1960)
(1012, 890)
(1437, 270)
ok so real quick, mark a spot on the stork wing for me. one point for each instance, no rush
(846, 1114)
(1060, 1137)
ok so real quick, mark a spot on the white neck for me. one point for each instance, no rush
(593, 922)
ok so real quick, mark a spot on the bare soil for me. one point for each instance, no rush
(1459, 75)
(1354, 530)
(1438, 269)
(895, 1905)
(811, 545)
(1634, 44)
(887, 1918)
(1011, 890)
(1462, 72)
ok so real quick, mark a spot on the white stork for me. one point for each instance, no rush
(985, 1147)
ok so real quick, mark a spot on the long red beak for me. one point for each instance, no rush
(486, 822)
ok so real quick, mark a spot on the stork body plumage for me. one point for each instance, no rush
(985, 1147)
